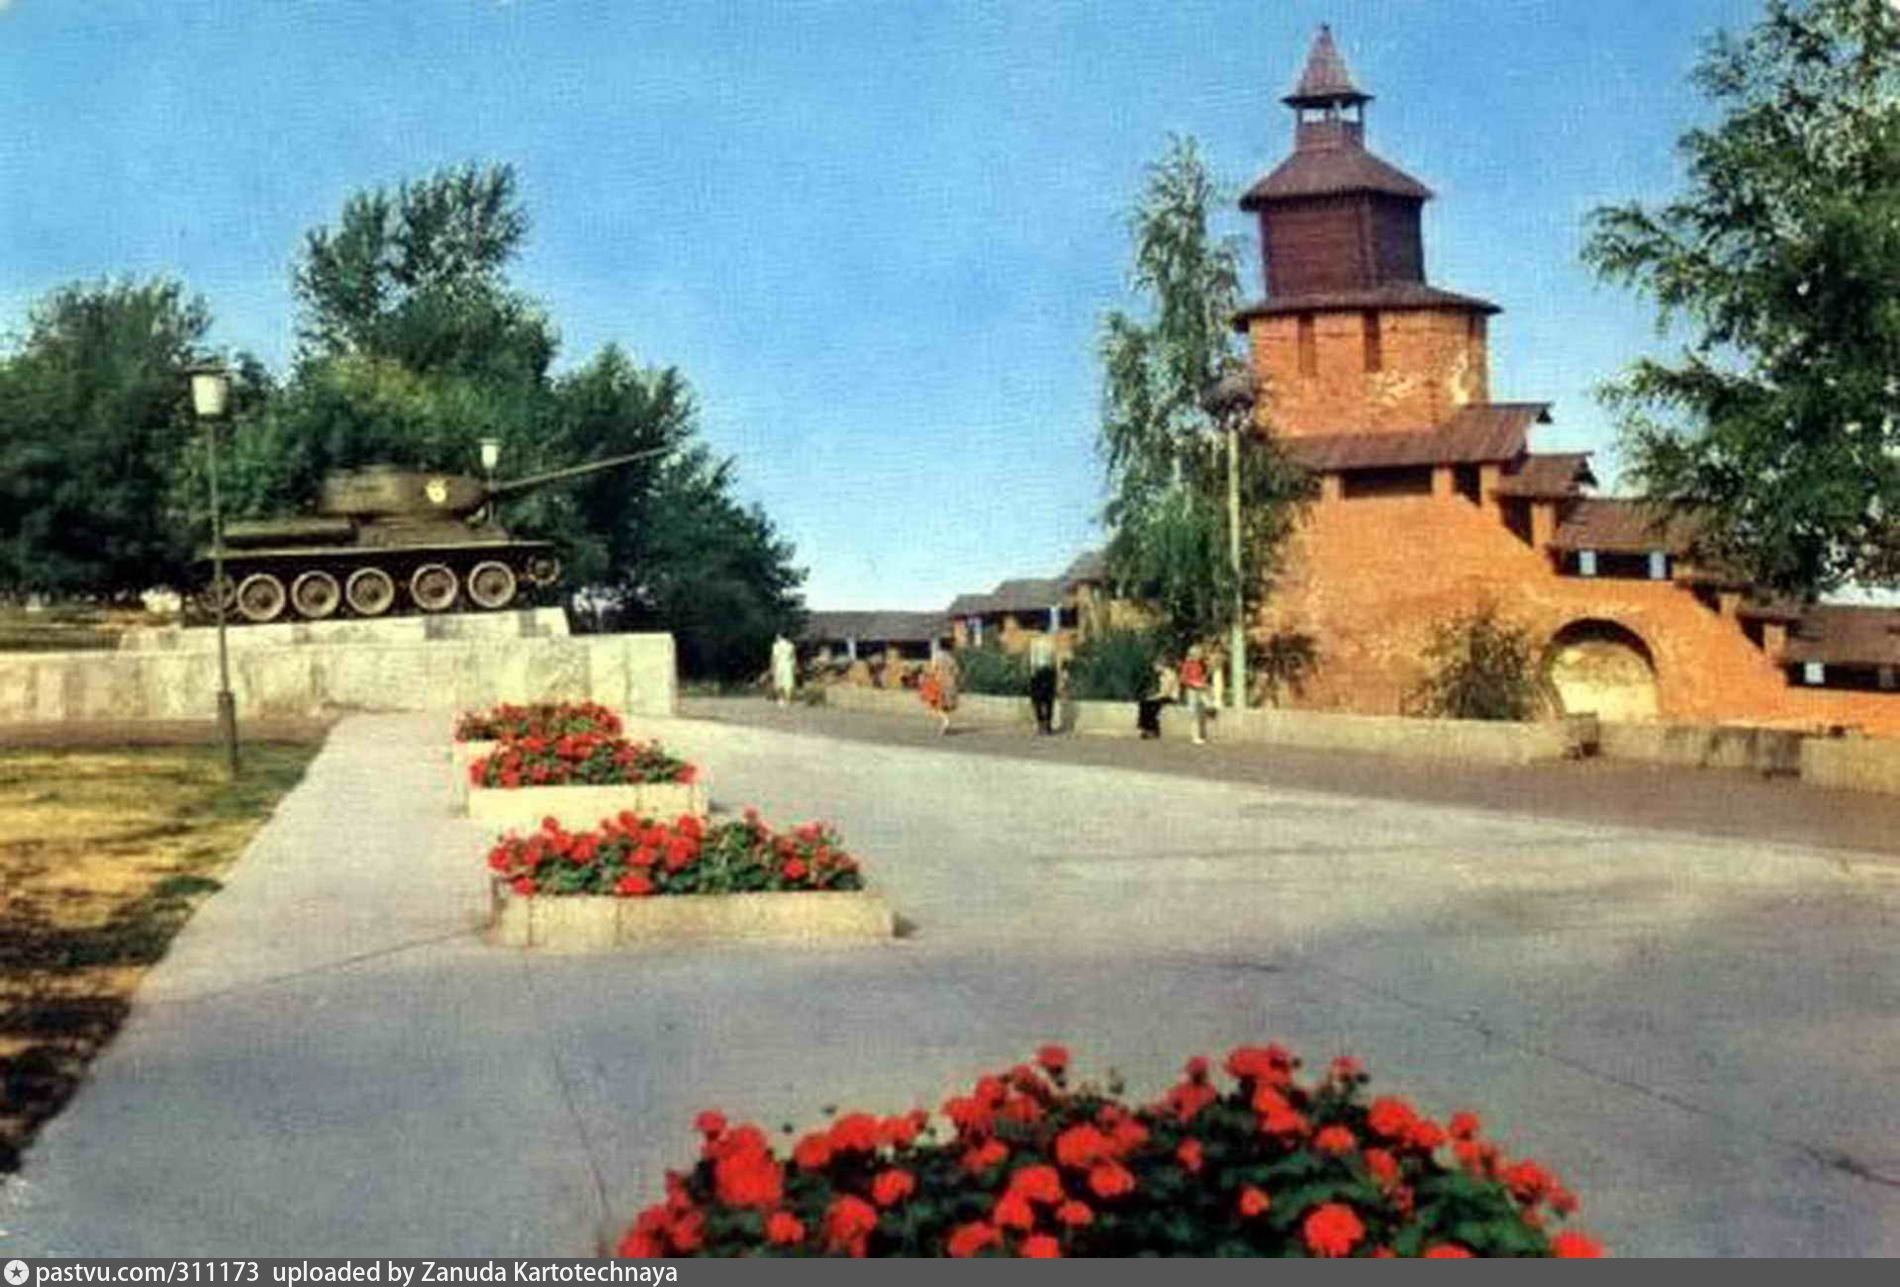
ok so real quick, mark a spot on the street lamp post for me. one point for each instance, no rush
(210, 399)
(1230, 400)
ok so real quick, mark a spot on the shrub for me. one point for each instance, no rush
(1033, 1167)
(578, 759)
(634, 857)
(1478, 667)
(1283, 663)
(990, 670)
(544, 719)
(1115, 665)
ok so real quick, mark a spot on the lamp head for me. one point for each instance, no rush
(210, 390)
(491, 453)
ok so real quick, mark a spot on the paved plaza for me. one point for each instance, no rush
(1692, 1016)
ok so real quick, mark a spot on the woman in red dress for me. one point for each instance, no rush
(938, 689)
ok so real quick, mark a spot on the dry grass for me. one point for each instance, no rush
(103, 854)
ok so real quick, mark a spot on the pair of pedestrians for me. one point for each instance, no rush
(1168, 686)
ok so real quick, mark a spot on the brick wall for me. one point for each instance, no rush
(1370, 577)
(1431, 362)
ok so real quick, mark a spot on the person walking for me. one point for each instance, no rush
(784, 668)
(939, 688)
(1194, 681)
(1164, 689)
(1042, 682)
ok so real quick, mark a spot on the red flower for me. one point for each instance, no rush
(1332, 1230)
(1055, 1058)
(748, 1179)
(1074, 1214)
(1345, 1068)
(1111, 1180)
(1463, 1125)
(1336, 1140)
(1254, 1202)
(1391, 1117)
(687, 773)
(1384, 1167)
(1040, 1246)
(1038, 1183)
(794, 869)
(1528, 1181)
(783, 1229)
(710, 1123)
(813, 1152)
(633, 885)
(1271, 1064)
(1189, 1156)
(1196, 1068)
(854, 1131)
(688, 1232)
(1012, 1211)
(901, 1131)
(892, 1186)
(1081, 1146)
(1571, 1245)
(1446, 1251)
(984, 1156)
(968, 1239)
(522, 885)
(639, 1246)
(1425, 1135)
(848, 1223)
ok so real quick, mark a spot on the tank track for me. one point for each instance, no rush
(265, 587)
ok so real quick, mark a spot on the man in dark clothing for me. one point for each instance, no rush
(1042, 682)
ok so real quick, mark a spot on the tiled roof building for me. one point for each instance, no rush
(1433, 499)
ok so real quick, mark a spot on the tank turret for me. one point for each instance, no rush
(385, 540)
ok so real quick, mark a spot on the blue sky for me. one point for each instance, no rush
(877, 237)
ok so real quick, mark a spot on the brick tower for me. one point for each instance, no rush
(1350, 337)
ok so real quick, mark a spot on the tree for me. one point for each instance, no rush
(1775, 424)
(94, 417)
(1166, 510)
(415, 347)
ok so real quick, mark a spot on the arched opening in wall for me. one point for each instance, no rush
(1598, 667)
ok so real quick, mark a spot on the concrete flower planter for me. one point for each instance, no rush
(466, 753)
(581, 807)
(557, 923)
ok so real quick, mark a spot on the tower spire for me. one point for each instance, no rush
(1325, 82)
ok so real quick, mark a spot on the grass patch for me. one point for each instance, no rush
(103, 855)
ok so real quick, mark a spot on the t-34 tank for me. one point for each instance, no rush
(389, 541)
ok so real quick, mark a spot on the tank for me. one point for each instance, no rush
(387, 541)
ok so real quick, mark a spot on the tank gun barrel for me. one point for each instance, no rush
(532, 481)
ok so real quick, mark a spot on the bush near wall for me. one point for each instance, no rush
(993, 672)
(1116, 665)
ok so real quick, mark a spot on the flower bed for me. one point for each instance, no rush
(1032, 1167)
(591, 890)
(542, 719)
(578, 759)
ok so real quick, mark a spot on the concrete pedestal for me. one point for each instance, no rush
(524, 623)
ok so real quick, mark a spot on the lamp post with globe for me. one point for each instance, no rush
(210, 400)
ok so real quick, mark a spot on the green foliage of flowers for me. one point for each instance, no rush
(1033, 1167)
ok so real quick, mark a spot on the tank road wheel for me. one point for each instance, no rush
(491, 585)
(433, 587)
(214, 591)
(260, 598)
(370, 592)
(315, 595)
(543, 570)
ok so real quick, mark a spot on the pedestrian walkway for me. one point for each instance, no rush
(1698, 1033)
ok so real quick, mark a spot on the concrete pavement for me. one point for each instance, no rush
(1701, 1033)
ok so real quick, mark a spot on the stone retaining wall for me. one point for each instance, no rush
(1472, 741)
(1852, 763)
(1704, 746)
(634, 674)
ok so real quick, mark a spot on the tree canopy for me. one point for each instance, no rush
(1166, 509)
(93, 419)
(1775, 422)
(413, 346)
